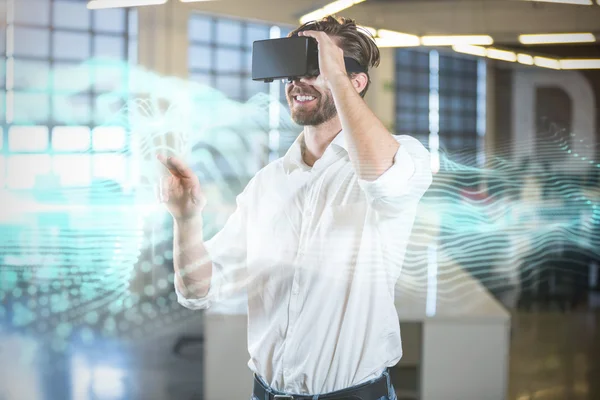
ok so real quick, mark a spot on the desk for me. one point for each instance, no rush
(462, 351)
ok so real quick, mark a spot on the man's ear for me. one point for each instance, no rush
(359, 81)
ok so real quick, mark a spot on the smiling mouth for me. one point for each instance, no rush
(304, 99)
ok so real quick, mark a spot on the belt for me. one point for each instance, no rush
(371, 390)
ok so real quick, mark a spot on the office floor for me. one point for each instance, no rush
(555, 355)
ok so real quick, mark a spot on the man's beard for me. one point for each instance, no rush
(323, 112)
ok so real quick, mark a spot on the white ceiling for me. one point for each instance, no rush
(503, 19)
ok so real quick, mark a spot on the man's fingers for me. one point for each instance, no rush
(165, 182)
(309, 33)
(318, 35)
(175, 166)
(165, 161)
(180, 167)
(195, 194)
(162, 159)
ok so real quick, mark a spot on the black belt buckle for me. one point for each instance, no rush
(283, 397)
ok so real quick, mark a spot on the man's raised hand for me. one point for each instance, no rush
(180, 190)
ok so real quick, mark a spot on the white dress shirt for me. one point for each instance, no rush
(319, 252)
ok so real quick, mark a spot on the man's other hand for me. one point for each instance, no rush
(180, 190)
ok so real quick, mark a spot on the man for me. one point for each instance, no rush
(318, 236)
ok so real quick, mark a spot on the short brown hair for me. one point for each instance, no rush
(356, 43)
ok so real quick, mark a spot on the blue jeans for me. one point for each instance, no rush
(390, 396)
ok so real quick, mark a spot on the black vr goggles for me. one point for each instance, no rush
(290, 58)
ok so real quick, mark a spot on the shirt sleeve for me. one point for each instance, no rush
(227, 251)
(408, 178)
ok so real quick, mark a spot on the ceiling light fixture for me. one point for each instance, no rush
(547, 38)
(472, 50)
(457, 40)
(592, 63)
(329, 9)
(381, 42)
(546, 62)
(525, 59)
(101, 4)
(387, 38)
(578, 2)
(528, 59)
(503, 55)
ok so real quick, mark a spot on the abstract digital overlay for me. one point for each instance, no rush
(82, 261)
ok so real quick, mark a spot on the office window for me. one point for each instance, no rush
(412, 93)
(109, 138)
(72, 169)
(2, 171)
(71, 138)
(440, 99)
(458, 101)
(28, 139)
(29, 168)
(220, 56)
(69, 76)
(3, 128)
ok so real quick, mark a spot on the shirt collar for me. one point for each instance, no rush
(340, 140)
(293, 157)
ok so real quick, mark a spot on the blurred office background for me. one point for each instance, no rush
(505, 248)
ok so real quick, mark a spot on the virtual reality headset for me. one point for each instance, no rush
(290, 58)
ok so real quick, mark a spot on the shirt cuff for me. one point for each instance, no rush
(202, 302)
(394, 181)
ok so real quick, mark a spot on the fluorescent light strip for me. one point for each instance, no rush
(329, 9)
(456, 40)
(578, 2)
(472, 50)
(387, 38)
(380, 42)
(100, 4)
(545, 62)
(503, 55)
(525, 59)
(592, 63)
(558, 38)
